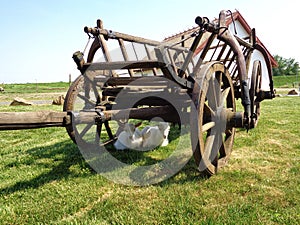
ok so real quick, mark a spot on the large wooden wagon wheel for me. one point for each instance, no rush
(254, 90)
(83, 95)
(212, 138)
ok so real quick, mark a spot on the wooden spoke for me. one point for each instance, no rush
(225, 95)
(85, 130)
(219, 77)
(208, 126)
(224, 151)
(226, 148)
(108, 129)
(208, 110)
(213, 94)
(87, 101)
(209, 146)
(98, 133)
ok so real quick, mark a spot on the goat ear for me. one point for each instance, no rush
(132, 127)
(127, 127)
(162, 126)
(147, 134)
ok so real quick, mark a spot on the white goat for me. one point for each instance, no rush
(155, 136)
(129, 138)
(147, 139)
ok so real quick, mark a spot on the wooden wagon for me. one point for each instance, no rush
(145, 79)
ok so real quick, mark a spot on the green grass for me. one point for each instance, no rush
(45, 180)
(31, 91)
(291, 81)
(36, 87)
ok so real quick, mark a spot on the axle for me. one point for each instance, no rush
(32, 120)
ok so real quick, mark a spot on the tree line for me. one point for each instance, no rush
(285, 66)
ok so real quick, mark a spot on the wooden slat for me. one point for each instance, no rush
(125, 55)
(143, 64)
(243, 42)
(150, 58)
(145, 81)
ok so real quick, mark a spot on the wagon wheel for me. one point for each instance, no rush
(212, 138)
(254, 90)
(83, 95)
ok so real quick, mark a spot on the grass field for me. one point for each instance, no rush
(291, 81)
(45, 180)
(31, 91)
(36, 87)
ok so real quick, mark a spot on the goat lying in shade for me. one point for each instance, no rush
(143, 140)
(129, 138)
(155, 136)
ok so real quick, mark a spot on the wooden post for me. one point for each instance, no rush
(70, 79)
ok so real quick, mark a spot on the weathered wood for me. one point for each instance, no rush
(150, 58)
(243, 42)
(115, 35)
(167, 113)
(125, 55)
(146, 80)
(109, 34)
(29, 120)
(142, 64)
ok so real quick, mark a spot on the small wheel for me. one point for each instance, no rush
(83, 95)
(212, 138)
(254, 90)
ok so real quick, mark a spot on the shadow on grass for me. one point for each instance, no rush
(143, 168)
(188, 174)
(58, 158)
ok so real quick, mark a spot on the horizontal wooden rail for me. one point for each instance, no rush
(145, 64)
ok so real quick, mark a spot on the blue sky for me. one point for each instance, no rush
(38, 38)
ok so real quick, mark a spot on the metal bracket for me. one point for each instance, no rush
(111, 34)
(101, 117)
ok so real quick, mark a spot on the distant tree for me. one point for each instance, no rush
(285, 66)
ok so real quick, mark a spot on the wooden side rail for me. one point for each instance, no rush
(145, 64)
